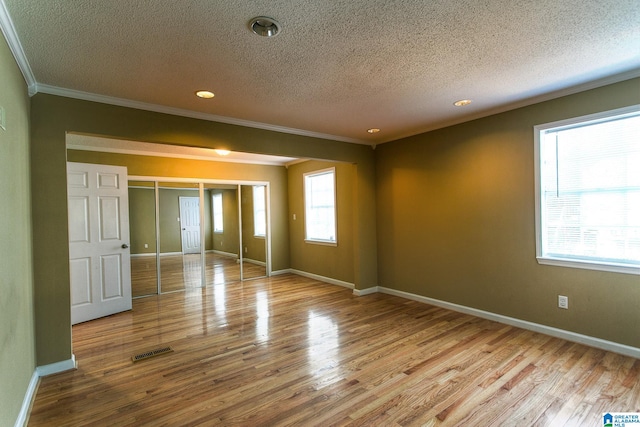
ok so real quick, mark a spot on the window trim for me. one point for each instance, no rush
(563, 261)
(323, 242)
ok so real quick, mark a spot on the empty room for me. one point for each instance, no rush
(380, 213)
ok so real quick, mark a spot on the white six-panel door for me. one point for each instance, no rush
(99, 255)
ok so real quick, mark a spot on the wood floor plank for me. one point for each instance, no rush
(290, 350)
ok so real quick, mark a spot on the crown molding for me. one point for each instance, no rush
(76, 141)
(10, 34)
(121, 102)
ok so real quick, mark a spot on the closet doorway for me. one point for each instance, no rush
(229, 221)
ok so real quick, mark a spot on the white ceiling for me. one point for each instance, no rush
(338, 67)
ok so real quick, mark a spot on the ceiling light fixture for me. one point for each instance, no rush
(264, 26)
(373, 130)
(204, 94)
(462, 102)
(222, 152)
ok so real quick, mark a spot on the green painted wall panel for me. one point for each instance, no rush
(17, 330)
(456, 223)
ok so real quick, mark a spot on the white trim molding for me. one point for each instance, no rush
(323, 279)
(128, 103)
(29, 397)
(10, 34)
(41, 371)
(255, 261)
(223, 253)
(366, 291)
(58, 367)
(535, 327)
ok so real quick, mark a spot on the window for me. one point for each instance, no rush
(259, 211)
(588, 192)
(218, 223)
(320, 206)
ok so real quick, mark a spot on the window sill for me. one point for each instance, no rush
(589, 265)
(321, 242)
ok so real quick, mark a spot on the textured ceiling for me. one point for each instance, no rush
(338, 67)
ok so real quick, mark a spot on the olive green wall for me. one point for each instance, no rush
(142, 220)
(17, 336)
(53, 116)
(456, 223)
(336, 262)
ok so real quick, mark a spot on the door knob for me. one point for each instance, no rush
(125, 246)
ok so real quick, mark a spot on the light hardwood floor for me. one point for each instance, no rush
(289, 350)
(179, 272)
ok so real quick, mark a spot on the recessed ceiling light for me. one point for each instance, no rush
(373, 130)
(264, 26)
(222, 152)
(462, 102)
(204, 94)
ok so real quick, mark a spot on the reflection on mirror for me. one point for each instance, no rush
(254, 229)
(142, 223)
(194, 249)
(180, 241)
(222, 265)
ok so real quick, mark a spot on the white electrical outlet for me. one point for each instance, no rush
(146, 246)
(563, 302)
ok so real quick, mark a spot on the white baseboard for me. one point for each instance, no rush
(281, 272)
(227, 254)
(536, 327)
(208, 251)
(56, 368)
(41, 371)
(255, 262)
(367, 291)
(29, 396)
(173, 253)
(323, 279)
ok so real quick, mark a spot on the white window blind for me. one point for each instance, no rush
(218, 223)
(259, 211)
(589, 191)
(320, 206)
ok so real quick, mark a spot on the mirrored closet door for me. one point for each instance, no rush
(188, 235)
(142, 224)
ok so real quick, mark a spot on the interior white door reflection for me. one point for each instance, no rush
(190, 224)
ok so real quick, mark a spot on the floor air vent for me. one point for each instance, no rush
(152, 353)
